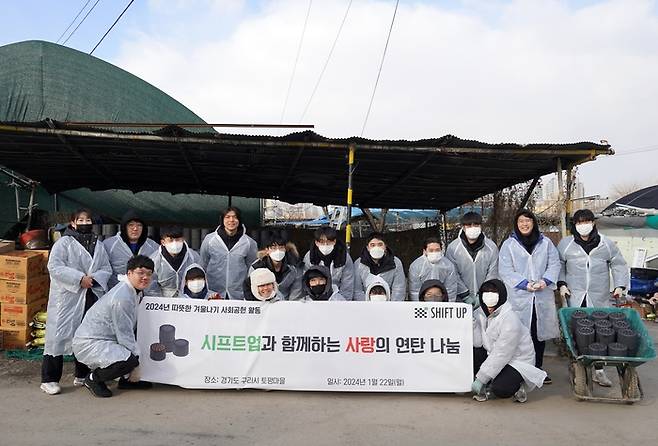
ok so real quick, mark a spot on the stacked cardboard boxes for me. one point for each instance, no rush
(24, 286)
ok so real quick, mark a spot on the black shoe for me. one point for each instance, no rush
(97, 388)
(128, 385)
(548, 380)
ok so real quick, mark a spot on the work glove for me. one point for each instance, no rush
(618, 293)
(477, 386)
(565, 295)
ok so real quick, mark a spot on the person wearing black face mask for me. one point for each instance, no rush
(503, 353)
(317, 285)
(79, 270)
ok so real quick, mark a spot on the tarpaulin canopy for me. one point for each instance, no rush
(643, 201)
(301, 167)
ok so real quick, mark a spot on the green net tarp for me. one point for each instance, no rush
(42, 80)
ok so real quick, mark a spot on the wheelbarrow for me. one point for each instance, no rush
(581, 367)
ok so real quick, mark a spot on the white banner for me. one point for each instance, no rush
(334, 346)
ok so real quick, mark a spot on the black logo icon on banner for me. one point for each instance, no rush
(420, 313)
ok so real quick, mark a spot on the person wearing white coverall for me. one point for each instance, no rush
(432, 264)
(377, 259)
(288, 276)
(377, 290)
(474, 255)
(170, 262)
(503, 353)
(194, 284)
(105, 341)
(131, 240)
(529, 265)
(330, 250)
(317, 285)
(226, 255)
(79, 270)
(261, 286)
(588, 260)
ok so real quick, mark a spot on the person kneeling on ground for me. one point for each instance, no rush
(433, 291)
(503, 353)
(195, 286)
(316, 285)
(105, 341)
(261, 285)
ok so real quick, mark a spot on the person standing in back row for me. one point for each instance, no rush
(529, 265)
(131, 240)
(377, 259)
(588, 260)
(79, 270)
(474, 255)
(227, 254)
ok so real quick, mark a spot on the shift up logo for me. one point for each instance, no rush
(441, 311)
(420, 313)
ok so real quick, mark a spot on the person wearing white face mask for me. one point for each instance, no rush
(378, 290)
(195, 285)
(433, 265)
(377, 259)
(287, 275)
(171, 261)
(261, 286)
(503, 351)
(474, 255)
(588, 260)
(329, 250)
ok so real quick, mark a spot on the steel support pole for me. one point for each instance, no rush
(350, 175)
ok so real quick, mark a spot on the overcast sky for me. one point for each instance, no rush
(497, 71)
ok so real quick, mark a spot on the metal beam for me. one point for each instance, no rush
(89, 164)
(401, 179)
(184, 124)
(188, 163)
(292, 168)
(221, 139)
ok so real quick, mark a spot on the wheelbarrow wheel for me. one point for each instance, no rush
(579, 375)
(631, 382)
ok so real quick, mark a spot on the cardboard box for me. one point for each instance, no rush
(19, 316)
(24, 292)
(7, 246)
(15, 338)
(22, 265)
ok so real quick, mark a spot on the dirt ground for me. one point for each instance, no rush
(171, 415)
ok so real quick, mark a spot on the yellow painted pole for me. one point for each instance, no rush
(350, 166)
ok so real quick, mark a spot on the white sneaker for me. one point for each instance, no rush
(601, 378)
(51, 388)
(78, 382)
(521, 396)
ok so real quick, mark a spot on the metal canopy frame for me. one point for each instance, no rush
(301, 167)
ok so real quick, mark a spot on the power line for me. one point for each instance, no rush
(110, 29)
(294, 69)
(639, 150)
(372, 98)
(326, 63)
(71, 24)
(81, 22)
